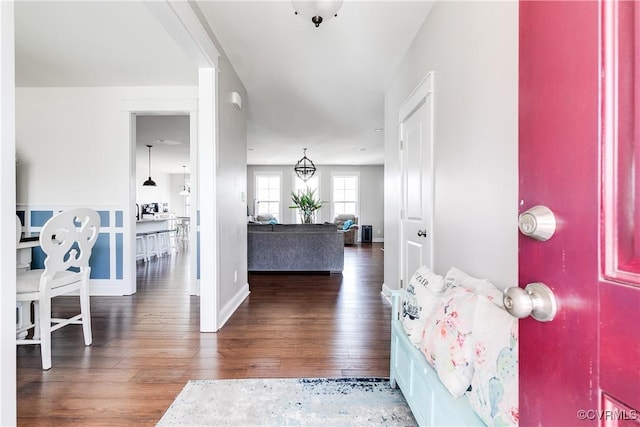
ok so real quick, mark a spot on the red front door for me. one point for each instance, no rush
(580, 156)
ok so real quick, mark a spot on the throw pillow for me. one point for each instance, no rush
(447, 342)
(494, 387)
(348, 223)
(420, 298)
(456, 277)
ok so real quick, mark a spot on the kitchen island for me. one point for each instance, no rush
(155, 223)
(155, 236)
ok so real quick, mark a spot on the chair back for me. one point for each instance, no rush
(265, 218)
(18, 230)
(342, 218)
(68, 238)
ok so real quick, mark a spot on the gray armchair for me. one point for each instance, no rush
(265, 218)
(351, 233)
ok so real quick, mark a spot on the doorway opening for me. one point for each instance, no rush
(163, 191)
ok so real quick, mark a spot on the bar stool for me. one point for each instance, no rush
(182, 229)
(173, 240)
(141, 248)
(153, 247)
(163, 243)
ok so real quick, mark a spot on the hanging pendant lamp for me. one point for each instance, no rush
(149, 182)
(186, 191)
(305, 167)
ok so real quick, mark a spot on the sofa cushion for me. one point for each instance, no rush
(253, 227)
(298, 228)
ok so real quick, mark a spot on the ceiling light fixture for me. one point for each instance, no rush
(149, 182)
(186, 191)
(305, 167)
(318, 11)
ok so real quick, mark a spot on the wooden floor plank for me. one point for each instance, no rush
(148, 345)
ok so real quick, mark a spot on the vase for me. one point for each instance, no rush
(307, 217)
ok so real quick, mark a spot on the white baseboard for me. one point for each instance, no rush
(386, 292)
(99, 287)
(374, 240)
(230, 307)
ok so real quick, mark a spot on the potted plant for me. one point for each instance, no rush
(307, 203)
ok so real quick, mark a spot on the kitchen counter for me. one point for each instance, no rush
(159, 223)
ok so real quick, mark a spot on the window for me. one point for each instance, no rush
(299, 185)
(345, 194)
(268, 195)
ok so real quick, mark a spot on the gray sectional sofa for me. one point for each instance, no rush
(295, 247)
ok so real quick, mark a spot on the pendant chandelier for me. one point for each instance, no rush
(318, 11)
(305, 167)
(149, 182)
(186, 191)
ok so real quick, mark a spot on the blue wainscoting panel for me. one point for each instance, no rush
(37, 257)
(119, 255)
(101, 258)
(38, 218)
(104, 218)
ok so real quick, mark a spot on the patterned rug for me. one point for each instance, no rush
(289, 402)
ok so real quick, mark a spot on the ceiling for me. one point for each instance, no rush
(315, 88)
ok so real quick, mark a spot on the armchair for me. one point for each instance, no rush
(351, 231)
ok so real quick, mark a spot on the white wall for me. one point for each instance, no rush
(73, 150)
(231, 192)
(371, 192)
(473, 49)
(77, 151)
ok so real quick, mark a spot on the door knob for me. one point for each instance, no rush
(536, 299)
(422, 233)
(539, 223)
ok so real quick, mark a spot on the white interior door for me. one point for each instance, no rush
(416, 143)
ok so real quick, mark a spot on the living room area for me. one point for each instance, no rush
(347, 210)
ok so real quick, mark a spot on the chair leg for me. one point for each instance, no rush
(44, 326)
(36, 320)
(85, 310)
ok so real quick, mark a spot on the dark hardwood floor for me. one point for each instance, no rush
(147, 346)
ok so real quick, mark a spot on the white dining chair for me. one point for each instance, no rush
(67, 239)
(19, 305)
(18, 230)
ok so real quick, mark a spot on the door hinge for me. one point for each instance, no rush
(401, 284)
(401, 214)
(401, 146)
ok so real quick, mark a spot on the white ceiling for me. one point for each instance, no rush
(319, 88)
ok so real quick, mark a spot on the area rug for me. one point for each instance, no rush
(289, 402)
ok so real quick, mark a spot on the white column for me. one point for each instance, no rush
(206, 198)
(7, 217)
